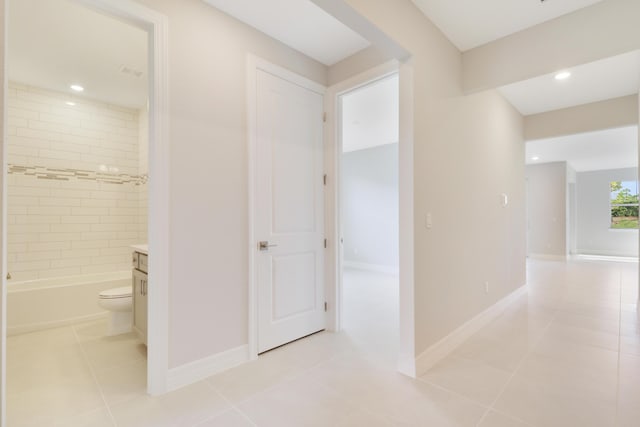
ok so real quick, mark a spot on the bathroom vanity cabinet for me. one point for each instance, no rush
(140, 288)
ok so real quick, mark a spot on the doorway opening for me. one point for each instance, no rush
(369, 215)
(61, 130)
(582, 195)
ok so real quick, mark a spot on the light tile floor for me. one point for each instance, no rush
(566, 354)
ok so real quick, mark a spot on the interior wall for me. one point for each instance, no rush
(208, 174)
(357, 63)
(370, 207)
(468, 150)
(595, 237)
(73, 185)
(547, 210)
(609, 114)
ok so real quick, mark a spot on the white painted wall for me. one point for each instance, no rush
(467, 152)
(547, 210)
(73, 185)
(595, 237)
(208, 172)
(370, 207)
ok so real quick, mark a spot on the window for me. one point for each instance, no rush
(624, 204)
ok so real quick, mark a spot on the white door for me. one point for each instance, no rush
(289, 211)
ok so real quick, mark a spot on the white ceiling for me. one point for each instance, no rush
(56, 43)
(471, 23)
(607, 149)
(609, 78)
(370, 115)
(299, 24)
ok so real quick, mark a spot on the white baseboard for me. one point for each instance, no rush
(606, 254)
(377, 268)
(200, 369)
(33, 327)
(445, 346)
(548, 257)
(611, 258)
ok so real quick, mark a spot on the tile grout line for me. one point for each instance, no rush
(515, 371)
(233, 407)
(94, 376)
(280, 382)
(488, 408)
(350, 402)
(287, 380)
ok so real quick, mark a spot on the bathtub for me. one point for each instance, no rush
(48, 303)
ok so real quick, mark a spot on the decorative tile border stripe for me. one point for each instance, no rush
(56, 174)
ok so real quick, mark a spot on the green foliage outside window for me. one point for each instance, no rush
(624, 204)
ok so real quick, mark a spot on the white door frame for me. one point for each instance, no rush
(254, 63)
(333, 147)
(156, 25)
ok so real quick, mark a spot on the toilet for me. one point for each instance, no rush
(119, 303)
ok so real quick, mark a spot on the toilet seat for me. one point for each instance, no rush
(115, 293)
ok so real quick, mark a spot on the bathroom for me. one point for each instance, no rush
(77, 173)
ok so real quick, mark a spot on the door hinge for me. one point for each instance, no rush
(326, 306)
(324, 117)
(325, 243)
(324, 179)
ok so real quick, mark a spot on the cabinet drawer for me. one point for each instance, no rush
(143, 262)
(140, 262)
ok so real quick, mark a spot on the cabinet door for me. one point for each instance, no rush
(140, 304)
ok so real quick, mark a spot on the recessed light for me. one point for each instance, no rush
(77, 88)
(72, 104)
(535, 158)
(563, 75)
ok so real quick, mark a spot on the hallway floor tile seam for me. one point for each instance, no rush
(350, 402)
(515, 371)
(94, 376)
(232, 409)
(297, 377)
(232, 406)
(303, 372)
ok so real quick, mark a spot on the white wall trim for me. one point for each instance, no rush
(376, 268)
(156, 24)
(600, 257)
(3, 231)
(548, 257)
(406, 354)
(446, 345)
(333, 149)
(255, 63)
(198, 370)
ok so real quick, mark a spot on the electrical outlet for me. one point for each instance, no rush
(486, 287)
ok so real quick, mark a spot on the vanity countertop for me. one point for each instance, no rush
(143, 248)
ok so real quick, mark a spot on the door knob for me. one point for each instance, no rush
(264, 245)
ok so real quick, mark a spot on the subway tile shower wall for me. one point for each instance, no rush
(77, 184)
